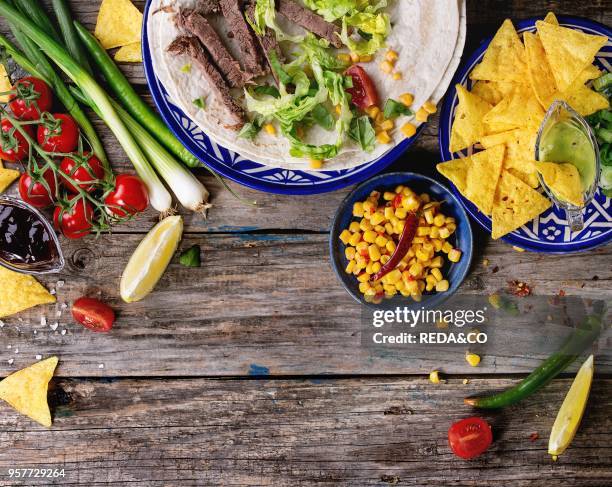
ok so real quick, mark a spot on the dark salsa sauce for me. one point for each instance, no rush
(24, 239)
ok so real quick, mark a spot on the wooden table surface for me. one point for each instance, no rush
(249, 370)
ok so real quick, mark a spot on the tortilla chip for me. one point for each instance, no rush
(5, 84)
(467, 126)
(586, 101)
(26, 390)
(456, 172)
(504, 59)
(515, 205)
(119, 23)
(19, 292)
(493, 91)
(483, 176)
(564, 180)
(132, 53)
(568, 51)
(538, 70)
(519, 110)
(551, 18)
(7, 176)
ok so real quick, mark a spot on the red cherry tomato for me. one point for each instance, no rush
(33, 191)
(74, 222)
(81, 168)
(129, 197)
(93, 314)
(470, 437)
(32, 98)
(363, 93)
(62, 137)
(13, 146)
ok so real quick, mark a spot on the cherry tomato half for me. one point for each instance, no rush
(75, 221)
(13, 146)
(34, 192)
(84, 169)
(93, 314)
(129, 197)
(63, 136)
(470, 437)
(363, 93)
(32, 98)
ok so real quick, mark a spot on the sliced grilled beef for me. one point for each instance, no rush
(190, 46)
(198, 26)
(252, 58)
(310, 21)
(267, 42)
(207, 7)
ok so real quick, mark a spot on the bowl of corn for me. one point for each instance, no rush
(434, 253)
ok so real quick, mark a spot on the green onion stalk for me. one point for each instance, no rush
(159, 196)
(69, 34)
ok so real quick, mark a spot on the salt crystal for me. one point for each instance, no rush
(16, 350)
(38, 357)
(1, 324)
(54, 326)
(58, 313)
(43, 321)
(35, 332)
(60, 283)
(63, 332)
(9, 346)
(64, 306)
(52, 292)
(10, 361)
(101, 366)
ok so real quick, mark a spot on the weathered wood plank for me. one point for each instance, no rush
(270, 300)
(288, 432)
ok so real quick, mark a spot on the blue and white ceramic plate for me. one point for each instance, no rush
(549, 232)
(244, 171)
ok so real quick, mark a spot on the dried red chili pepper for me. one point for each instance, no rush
(403, 246)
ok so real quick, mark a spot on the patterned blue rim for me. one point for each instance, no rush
(528, 236)
(246, 172)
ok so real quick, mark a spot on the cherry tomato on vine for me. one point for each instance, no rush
(74, 221)
(33, 191)
(129, 197)
(13, 146)
(83, 169)
(58, 133)
(32, 98)
(363, 93)
(93, 314)
(470, 437)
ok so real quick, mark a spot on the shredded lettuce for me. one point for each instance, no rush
(265, 16)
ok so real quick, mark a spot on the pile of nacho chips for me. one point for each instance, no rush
(514, 85)
(118, 25)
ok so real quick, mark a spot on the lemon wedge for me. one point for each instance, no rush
(570, 414)
(150, 259)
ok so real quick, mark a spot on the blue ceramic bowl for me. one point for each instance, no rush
(461, 239)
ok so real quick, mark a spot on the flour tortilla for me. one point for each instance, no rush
(426, 34)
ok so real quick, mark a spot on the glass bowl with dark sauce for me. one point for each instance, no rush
(28, 243)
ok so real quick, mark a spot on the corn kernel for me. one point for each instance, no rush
(375, 267)
(421, 115)
(450, 219)
(421, 284)
(354, 227)
(389, 228)
(472, 359)
(380, 118)
(411, 203)
(369, 206)
(429, 287)
(374, 252)
(386, 67)
(363, 277)
(437, 243)
(422, 255)
(390, 246)
(345, 236)
(397, 75)
(363, 287)
(381, 241)
(315, 163)
(401, 213)
(434, 377)
(387, 125)
(384, 259)
(454, 255)
(444, 233)
(369, 236)
(365, 225)
(389, 212)
(368, 268)
(372, 112)
(391, 55)
(383, 138)
(349, 253)
(389, 288)
(409, 129)
(425, 198)
(439, 220)
(355, 238)
(379, 229)
(422, 231)
(442, 286)
(451, 227)
(517, 249)
(358, 209)
(388, 196)
(354, 57)
(431, 280)
(415, 270)
(270, 129)
(407, 99)
(436, 262)
(350, 266)
(338, 109)
(430, 107)
(447, 247)
(377, 218)
(344, 58)
(365, 58)
(437, 274)
(362, 248)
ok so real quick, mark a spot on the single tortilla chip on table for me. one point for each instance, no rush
(26, 390)
(119, 23)
(7, 176)
(483, 175)
(520, 109)
(564, 180)
(504, 59)
(19, 292)
(456, 172)
(5, 84)
(568, 51)
(132, 53)
(515, 205)
(468, 124)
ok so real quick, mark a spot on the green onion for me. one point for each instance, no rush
(129, 98)
(191, 257)
(603, 82)
(200, 103)
(71, 40)
(33, 10)
(158, 194)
